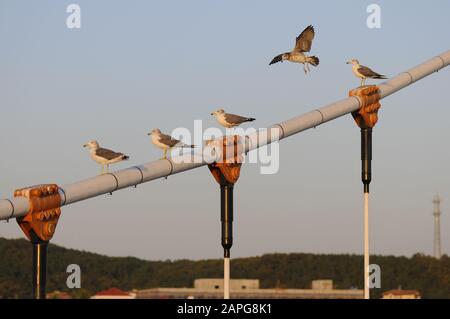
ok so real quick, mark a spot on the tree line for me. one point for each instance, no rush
(296, 270)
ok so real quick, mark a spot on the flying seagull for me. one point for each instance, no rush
(363, 72)
(166, 142)
(302, 44)
(104, 156)
(230, 120)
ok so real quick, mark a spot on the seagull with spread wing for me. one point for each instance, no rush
(104, 156)
(363, 72)
(166, 142)
(230, 120)
(303, 44)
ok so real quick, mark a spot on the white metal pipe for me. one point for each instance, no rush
(366, 247)
(226, 278)
(13, 207)
(10, 208)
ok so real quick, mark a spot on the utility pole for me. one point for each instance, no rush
(226, 173)
(437, 227)
(39, 225)
(366, 118)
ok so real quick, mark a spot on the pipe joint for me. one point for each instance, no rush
(39, 224)
(369, 100)
(227, 171)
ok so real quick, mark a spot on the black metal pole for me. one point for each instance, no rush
(39, 269)
(226, 217)
(366, 157)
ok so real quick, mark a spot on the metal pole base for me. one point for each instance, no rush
(226, 212)
(39, 269)
(366, 247)
(226, 278)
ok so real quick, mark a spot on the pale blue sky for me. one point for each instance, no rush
(136, 65)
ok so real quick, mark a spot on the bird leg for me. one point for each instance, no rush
(307, 66)
(304, 68)
(362, 82)
(107, 168)
(165, 154)
(102, 170)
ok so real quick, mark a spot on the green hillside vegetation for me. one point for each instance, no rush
(426, 274)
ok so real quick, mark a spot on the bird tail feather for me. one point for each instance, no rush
(125, 157)
(313, 60)
(250, 119)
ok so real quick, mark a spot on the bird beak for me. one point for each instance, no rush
(348, 62)
(212, 113)
(149, 133)
(85, 145)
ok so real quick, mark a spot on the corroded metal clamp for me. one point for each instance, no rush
(40, 222)
(369, 101)
(227, 171)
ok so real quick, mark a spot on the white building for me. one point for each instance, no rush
(212, 288)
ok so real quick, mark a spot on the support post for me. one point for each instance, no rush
(226, 173)
(226, 218)
(366, 177)
(39, 269)
(366, 118)
(39, 225)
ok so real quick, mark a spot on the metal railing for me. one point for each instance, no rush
(107, 183)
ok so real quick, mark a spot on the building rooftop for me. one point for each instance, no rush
(58, 295)
(113, 293)
(249, 288)
(401, 292)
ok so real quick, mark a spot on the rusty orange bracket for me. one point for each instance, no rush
(39, 224)
(367, 115)
(227, 171)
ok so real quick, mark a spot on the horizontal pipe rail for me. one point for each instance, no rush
(107, 183)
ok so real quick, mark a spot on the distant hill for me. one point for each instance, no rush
(426, 274)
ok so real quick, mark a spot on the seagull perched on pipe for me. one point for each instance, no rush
(363, 72)
(230, 120)
(104, 156)
(302, 44)
(166, 142)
